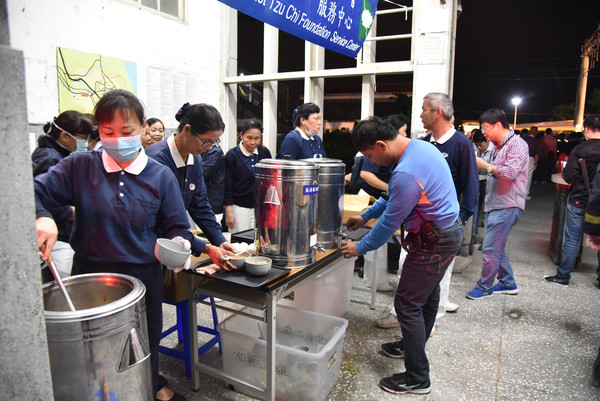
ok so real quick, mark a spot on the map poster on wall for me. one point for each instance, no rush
(84, 77)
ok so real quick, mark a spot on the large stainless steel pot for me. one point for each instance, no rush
(330, 202)
(100, 351)
(285, 206)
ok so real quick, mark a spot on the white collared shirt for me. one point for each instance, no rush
(135, 168)
(308, 138)
(176, 155)
(445, 138)
(245, 152)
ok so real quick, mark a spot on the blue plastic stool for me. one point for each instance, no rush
(182, 328)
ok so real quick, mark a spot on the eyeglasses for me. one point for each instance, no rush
(206, 144)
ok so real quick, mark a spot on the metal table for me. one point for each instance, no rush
(261, 298)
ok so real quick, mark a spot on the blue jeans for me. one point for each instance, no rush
(498, 224)
(570, 247)
(418, 296)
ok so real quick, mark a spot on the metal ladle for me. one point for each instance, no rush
(59, 282)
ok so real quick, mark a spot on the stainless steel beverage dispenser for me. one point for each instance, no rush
(330, 202)
(285, 196)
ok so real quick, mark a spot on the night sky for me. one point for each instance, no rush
(525, 48)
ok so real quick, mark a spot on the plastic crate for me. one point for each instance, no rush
(329, 292)
(308, 352)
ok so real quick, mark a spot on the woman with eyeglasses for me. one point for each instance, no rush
(200, 126)
(239, 177)
(65, 134)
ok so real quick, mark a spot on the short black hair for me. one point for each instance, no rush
(396, 120)
(304, 111)
(201, 117)
(493, 116)
(70, 121)
(251, 124)
(592, 122)
(366, 132)
(154, 120)
(478, 136)
(118, 100)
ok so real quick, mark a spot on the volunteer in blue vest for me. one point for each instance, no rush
(303, 142)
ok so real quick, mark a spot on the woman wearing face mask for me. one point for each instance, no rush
(303, 142)
(124, 201)
(239, 177)
(65, 134)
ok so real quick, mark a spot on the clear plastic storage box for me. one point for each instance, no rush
(308, 352)
(328, 292)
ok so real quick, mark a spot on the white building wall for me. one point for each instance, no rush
(172, 56)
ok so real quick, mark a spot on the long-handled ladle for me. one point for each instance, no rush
(56, 275)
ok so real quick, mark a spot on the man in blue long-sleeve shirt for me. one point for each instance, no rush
(422, 196)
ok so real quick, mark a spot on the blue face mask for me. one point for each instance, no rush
(122, 149)
(81, 143)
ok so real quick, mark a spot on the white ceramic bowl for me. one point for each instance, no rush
(171, 253)
(258, 265)
(240, 259)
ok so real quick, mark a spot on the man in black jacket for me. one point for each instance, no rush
(586, 154)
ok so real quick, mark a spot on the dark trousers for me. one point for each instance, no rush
(151, 276)
(418, 296)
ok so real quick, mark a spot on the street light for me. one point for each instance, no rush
(516, 101)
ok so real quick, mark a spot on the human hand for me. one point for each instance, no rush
(230, 221)
(355, 222)
(593, 241)
(47, 233)
(349, 249)
(220, 257)
(347, 178)
(187, 246)
(228, 247)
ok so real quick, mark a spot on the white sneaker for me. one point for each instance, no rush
(389, 321)
(451, 307)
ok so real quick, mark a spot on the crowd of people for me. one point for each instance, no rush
(492, 174)
(108, 185)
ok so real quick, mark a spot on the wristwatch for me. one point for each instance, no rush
(489, 169)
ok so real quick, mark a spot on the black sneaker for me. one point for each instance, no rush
(557, 280)
(400, 384)
(394, 349)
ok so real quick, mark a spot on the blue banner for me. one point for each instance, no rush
(338, 25)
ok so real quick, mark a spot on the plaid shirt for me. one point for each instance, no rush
(508, 187)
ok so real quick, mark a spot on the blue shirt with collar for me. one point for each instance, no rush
(191, 185)
(298, 146)
(239, 175)
(119, 214)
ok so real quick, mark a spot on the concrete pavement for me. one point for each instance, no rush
(538, 345)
